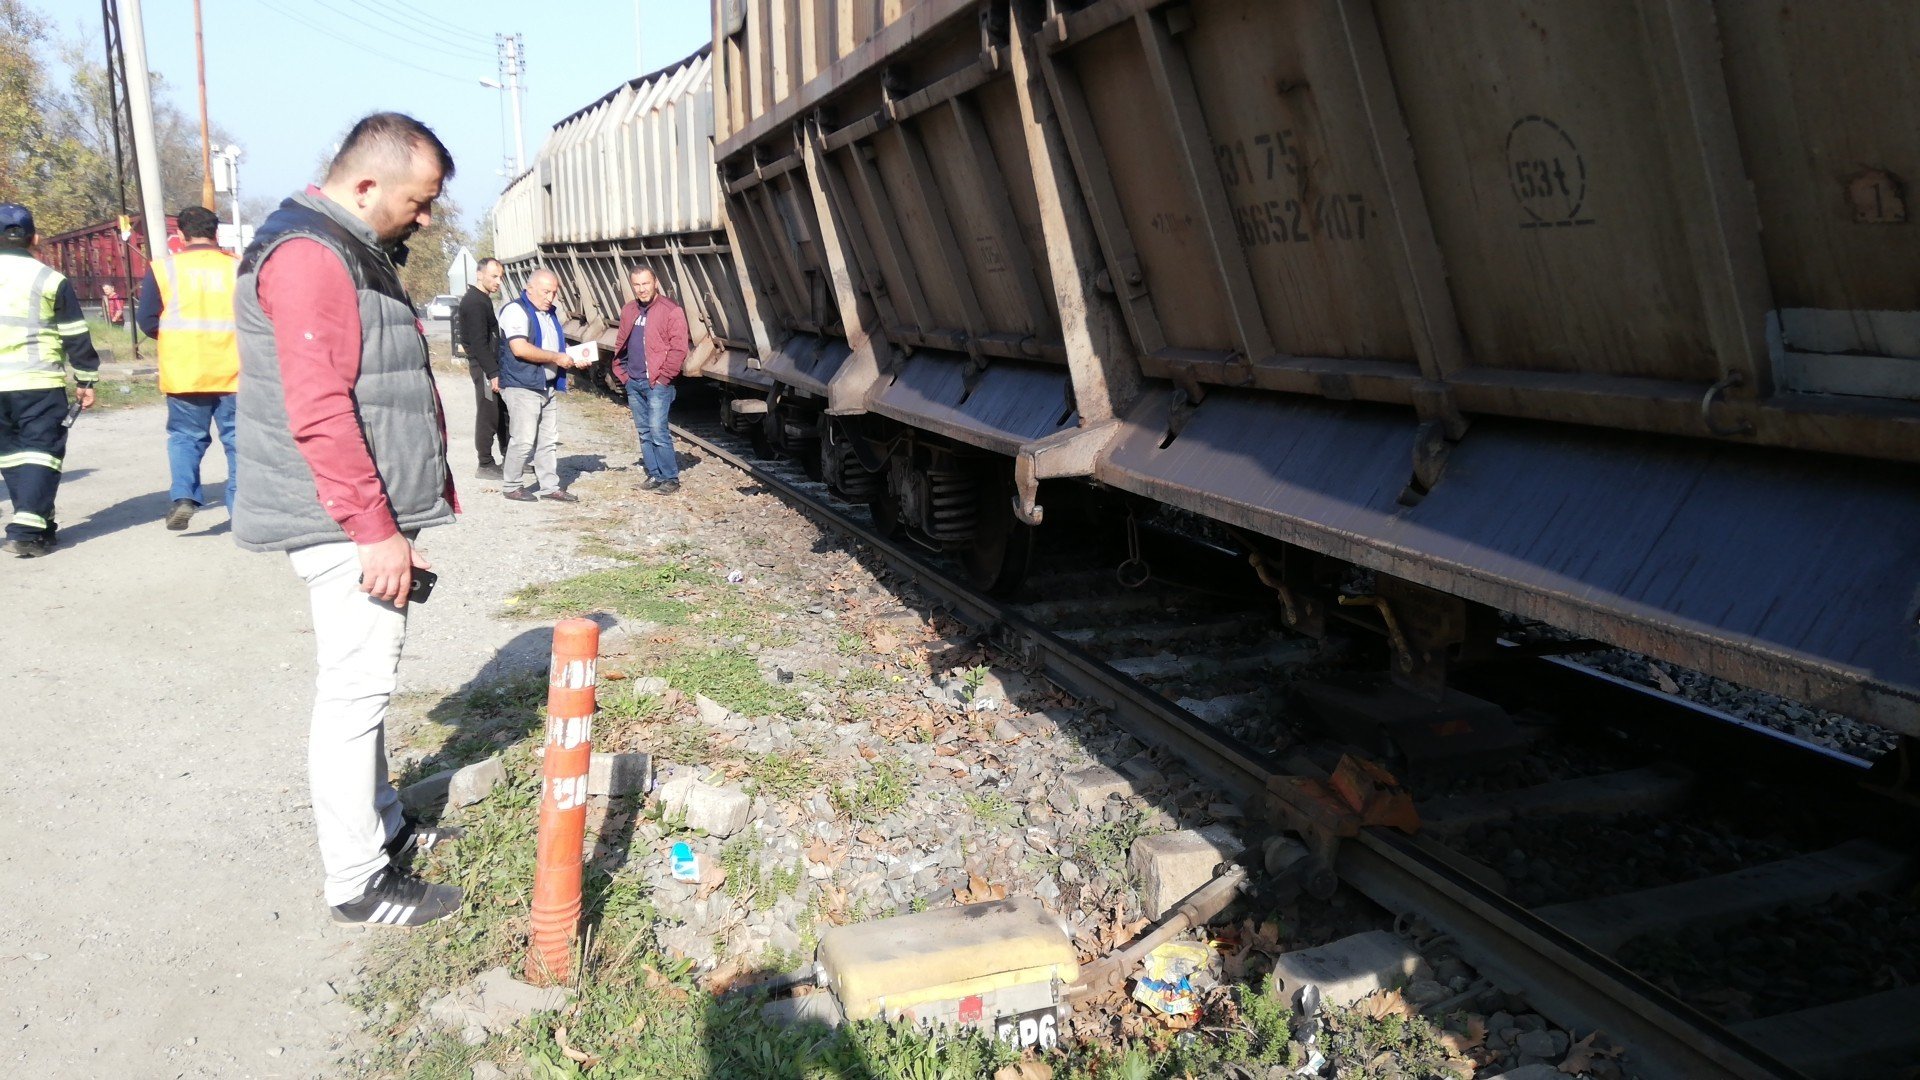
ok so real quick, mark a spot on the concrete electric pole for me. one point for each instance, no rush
(146, 154)
(512, 66)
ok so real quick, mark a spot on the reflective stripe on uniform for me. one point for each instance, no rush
(71, 329)
(31, 350)
(31, 521)
(29, 457)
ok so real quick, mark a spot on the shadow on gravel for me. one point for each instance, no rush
(574, 466)
(125, 514)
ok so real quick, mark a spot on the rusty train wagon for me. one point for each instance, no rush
(1606, 315)
(628, 181)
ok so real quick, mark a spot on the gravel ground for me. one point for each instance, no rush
(159, 872)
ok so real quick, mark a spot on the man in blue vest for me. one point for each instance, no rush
(533, 362)
(41, 328)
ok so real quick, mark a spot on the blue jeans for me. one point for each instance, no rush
(190, 420)
(650, 405)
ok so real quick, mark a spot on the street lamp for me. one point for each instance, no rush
(230, 159)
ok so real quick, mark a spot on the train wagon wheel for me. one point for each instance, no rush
(1002, 548)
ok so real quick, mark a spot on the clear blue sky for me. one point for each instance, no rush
(286, 77)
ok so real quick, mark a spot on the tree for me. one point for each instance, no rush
(44, 164)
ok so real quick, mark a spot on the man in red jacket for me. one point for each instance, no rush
(648, 362)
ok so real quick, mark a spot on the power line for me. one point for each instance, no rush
(362, 46)
(431, 19)
(451, 48)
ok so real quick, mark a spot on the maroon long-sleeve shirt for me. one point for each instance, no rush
(309, 296)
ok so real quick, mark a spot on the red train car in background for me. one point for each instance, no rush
(94, 256)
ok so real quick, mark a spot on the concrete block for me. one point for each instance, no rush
(620, 774)
(712, 713)
(1170, 866)
(429, 794)
(1351, 968)
(1095, 784)
(720, 811)
(474, 782)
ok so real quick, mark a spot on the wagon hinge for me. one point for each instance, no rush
(1073, 452)
(975, 367)
(1187, 396)
(1732, 381)
(1432, 446)
(1301, 613)
(1402, 649)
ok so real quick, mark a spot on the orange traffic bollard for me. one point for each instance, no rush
(563, 801)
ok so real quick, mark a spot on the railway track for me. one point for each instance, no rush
(1189, 670)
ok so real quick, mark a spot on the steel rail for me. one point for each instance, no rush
(1577, 986)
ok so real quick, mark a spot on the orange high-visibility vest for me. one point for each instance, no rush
(199, 347)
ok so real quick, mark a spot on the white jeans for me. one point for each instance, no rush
(357, 640)
(533, 430)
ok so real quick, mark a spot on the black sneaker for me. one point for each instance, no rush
(666, 487)
(181, 514)
(415, 839)
(521, 494)
(396, 899)
(29, 549)
(649, 484)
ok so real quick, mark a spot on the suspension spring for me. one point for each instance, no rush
(952, 505)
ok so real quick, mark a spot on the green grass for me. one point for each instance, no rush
(731, 677)
(991, 809)
(651, 592)
(783, 776)
(1108, 845)
(875, 793)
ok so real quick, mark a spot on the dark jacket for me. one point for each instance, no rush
(664, 342)
(523, 373)
(477, 329)
(278, 508)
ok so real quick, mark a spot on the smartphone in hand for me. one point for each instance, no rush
(422, 588)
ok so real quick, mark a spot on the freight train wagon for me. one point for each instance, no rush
(628, 181)
(94, 256)
(1602, 315)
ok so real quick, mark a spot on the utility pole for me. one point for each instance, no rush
(133, 49)
(206, 140)
(116, 97)
(512, 50)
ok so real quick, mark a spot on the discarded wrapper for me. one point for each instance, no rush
(1165, 980)
(686, 865)
(735, 577)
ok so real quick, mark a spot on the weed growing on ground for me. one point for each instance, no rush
(658, 592)
(1108, 845)
(876, 793)
(991, 809)
(783, 776)
(730, 677)
(862, 680)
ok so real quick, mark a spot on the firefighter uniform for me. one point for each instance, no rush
(41, 329)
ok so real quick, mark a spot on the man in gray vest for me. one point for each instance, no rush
(343, 460)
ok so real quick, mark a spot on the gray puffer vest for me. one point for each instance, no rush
(276, 504)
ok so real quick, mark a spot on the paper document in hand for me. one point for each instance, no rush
(584, 353)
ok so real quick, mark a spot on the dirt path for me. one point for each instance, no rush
(157, 864)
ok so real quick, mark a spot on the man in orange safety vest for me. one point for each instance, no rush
(186, 303)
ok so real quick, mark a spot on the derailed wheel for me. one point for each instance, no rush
(1002, 548)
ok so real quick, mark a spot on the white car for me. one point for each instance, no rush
(441, 307)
